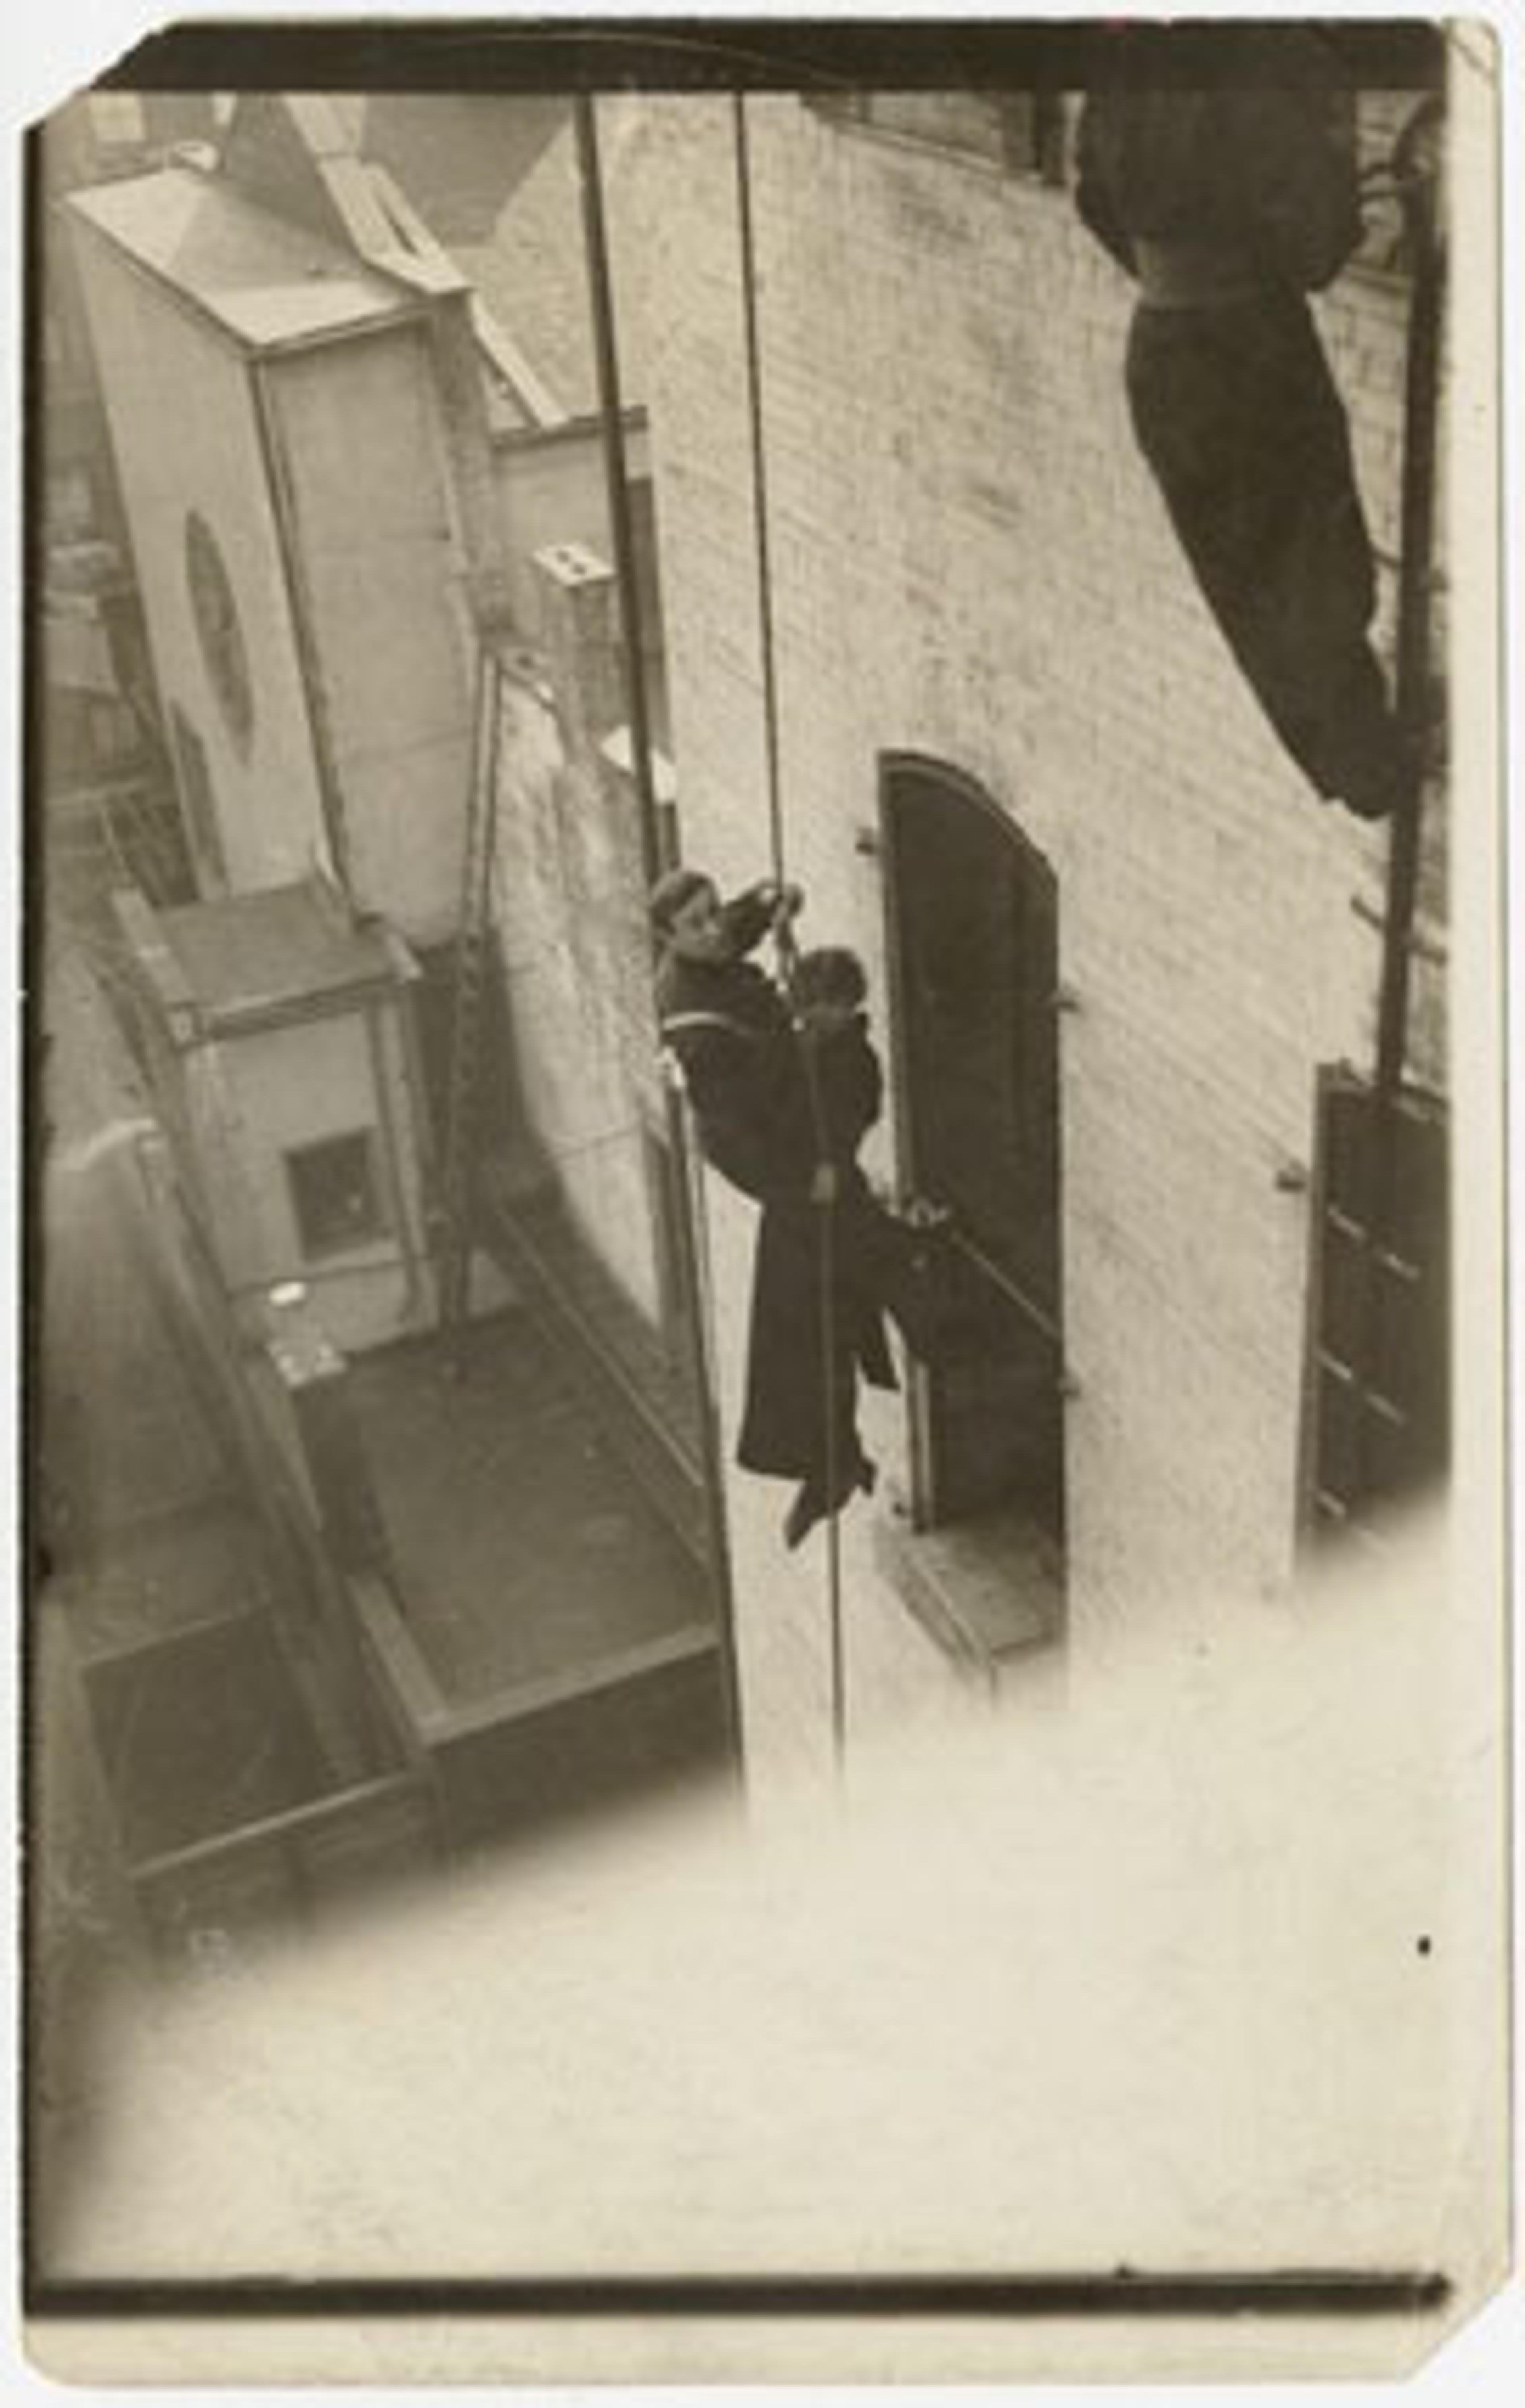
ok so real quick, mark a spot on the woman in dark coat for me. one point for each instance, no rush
(817, 1320)
(783, 1091)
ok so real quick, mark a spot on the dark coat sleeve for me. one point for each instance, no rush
(1093, 199)
(870, 1092)
(749, 915)
(737, 1085)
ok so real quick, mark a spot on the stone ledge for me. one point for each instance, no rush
(985, 1591)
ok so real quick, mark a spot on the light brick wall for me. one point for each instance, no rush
(569, 910)
(970, 560)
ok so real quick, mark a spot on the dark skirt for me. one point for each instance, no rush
(1238, 416)
(803, 1254)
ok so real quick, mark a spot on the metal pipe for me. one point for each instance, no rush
(1412, 701)
(1416, 545)
(611, 430)
(784, 940)
(611, 425)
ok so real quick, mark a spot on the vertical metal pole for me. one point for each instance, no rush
(1411, 706)
(601, 298)
(611, 426)
(775, 818)
(1415, 548)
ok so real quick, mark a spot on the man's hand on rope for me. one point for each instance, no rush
(784, 902)
(823, 1184)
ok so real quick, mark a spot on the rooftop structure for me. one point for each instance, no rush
(249, 958)
(263, 279)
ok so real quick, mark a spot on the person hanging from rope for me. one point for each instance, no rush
(741, 1038)
(1228, 205)
(817, 1321)
(722, 1017)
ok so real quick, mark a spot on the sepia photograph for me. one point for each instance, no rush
(763, 1626)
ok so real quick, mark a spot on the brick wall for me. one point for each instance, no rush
(970, 560)
(569, 905)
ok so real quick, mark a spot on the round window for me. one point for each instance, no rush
(217, 626)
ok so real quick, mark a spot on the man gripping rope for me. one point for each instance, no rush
(784, 1086)
(725, 1021)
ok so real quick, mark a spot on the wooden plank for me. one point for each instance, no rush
(352, 191)
(402, 1662)
(274, 1829)
(533, 395)
(622, 1668)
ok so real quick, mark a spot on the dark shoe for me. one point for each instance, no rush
(802, 1515)
(811, 1506)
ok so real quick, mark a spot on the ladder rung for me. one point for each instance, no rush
(1360, 1235)
(1396, 1264)
(1417, 939)
(1335, 1509)
(1343, 1222)
(1371, 1397)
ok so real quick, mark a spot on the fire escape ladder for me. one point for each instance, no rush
(1380, 1356)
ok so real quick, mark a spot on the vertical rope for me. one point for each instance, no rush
(759, 481)
(776, 823)
(694, 1232)
(692, 1243)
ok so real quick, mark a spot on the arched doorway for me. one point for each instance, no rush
(972, 927)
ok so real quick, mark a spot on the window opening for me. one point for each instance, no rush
(218, 627)
(198, 801)
(973, 912)
(1377, 1428)
(335, 1194)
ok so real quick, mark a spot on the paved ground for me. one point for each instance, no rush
(523, 1545)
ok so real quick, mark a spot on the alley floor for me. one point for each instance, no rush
(522, 1545)
(523, 1548)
